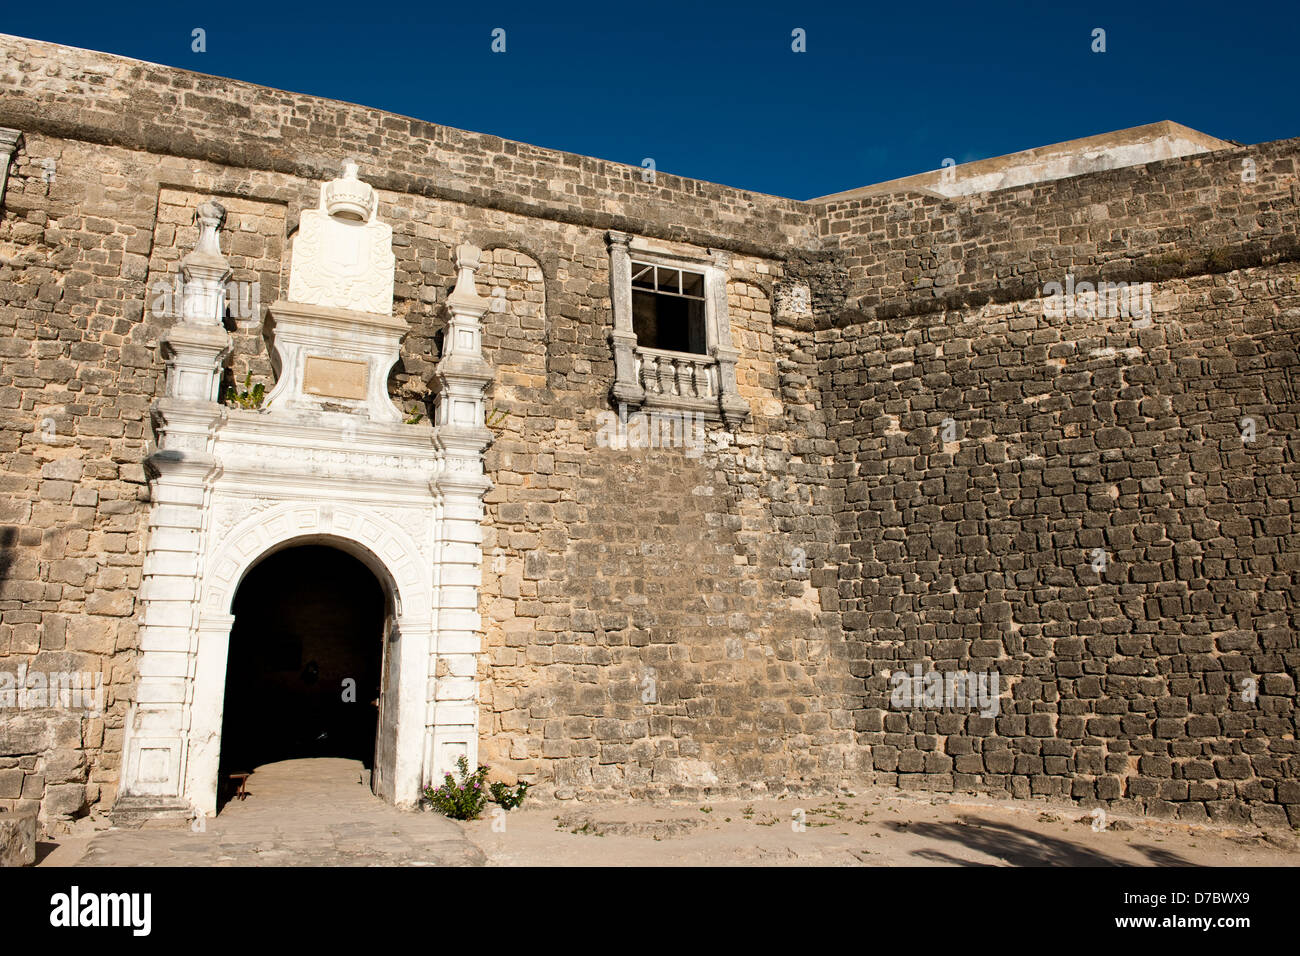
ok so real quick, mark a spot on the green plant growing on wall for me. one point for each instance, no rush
(507, 797)
(496, 417)
(413, 415)
(1217, 260)
(463, 800)
(251, 397)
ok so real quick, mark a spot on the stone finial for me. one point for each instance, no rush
(204, 270)
(467, 257)
(465, 295)
(348, 197)
(210, 216)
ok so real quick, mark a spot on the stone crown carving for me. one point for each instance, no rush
(342, 256)
(349, 197)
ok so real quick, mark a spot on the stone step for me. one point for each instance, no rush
(134, 813)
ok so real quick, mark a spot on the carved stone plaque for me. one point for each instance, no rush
(334, 378)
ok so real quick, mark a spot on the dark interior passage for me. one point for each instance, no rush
(309, 621)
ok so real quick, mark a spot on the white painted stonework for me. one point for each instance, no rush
(342, 255)
(328, 460)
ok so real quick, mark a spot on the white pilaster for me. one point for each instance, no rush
(461, 435)
(182, 469)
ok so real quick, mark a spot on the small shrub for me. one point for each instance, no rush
(250, 397)
(1217, 260)
(464, 800)
(508, 797)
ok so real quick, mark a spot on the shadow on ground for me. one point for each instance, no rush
(1018, 846)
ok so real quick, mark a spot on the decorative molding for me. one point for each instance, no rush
(385, 546)
(230, 485)
(655, 378)
(339, 261)
(299, 332)
(9, 140)
(308, 456)
(228, 512)
(415, 522)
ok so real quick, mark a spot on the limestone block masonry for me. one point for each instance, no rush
(902, 453)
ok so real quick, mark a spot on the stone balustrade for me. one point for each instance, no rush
(679, 374)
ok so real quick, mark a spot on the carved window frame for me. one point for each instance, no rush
(9, 140)
(677, 381)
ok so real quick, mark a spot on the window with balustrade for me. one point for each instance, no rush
(672, 334)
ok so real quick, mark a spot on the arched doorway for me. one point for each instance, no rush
(305, 661)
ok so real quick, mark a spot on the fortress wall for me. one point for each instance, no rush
(678, 619)
(907, 252)
(993, 450)
(604, 567)
(109, 100)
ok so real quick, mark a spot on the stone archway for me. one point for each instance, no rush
(395, 560)
(304, 669)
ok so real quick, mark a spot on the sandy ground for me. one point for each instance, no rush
(872, 828)
(320, 813)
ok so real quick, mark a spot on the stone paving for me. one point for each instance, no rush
(318, 813)
(298, 813)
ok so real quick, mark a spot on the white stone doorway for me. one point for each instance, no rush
(305, 664)
(326, 459)
(391, 561)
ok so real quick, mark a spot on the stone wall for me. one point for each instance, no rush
(1165, 680)
(648, 629)
(607, 568)
(76, 387)
(907, 253)
(108, 100)
(670, 620)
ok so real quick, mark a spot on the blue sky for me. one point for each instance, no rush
(713, 90)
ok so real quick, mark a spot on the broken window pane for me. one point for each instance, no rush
(693, 284)
(669, 280)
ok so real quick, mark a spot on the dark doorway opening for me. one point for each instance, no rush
(304, 665)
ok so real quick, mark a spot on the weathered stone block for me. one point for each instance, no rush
(18, 839)
(11, 783)
(64, 800)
